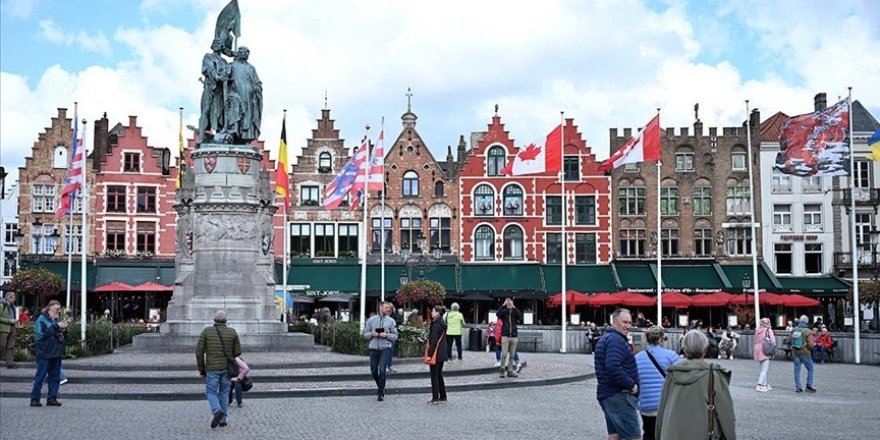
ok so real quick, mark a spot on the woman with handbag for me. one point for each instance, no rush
(238, 382)
(435, 357)
(765, 347)
(653, 364)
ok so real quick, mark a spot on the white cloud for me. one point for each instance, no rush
(96, 42)
(19, 8)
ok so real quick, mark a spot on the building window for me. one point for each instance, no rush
(703, 242)
(115, 236)
(59, 159)
(738, 161)
(513, 243)
(585, 248)
(410, 231)
(781, 182)
(585, 210)
(631, 201)
(377, 232)
(862, 174)
(571, 166)
(553, 210)
(72, 239)
(812, 218)
(9, 267)
(669, 201)
(348, 240)
(632, 242)
(782, 255)
(131, 163)
(513, 200)
(324, 237)
(738, 200)
(116, 198)
(438, 189)
(146, 199)
(43, 198)
(441, 233)
(308, 196)
(146, 237)
(781, 218)
(863, 231)
(631, 168)
(495, 161)
(484, 243)
(811, 184)
(300, 240)
(684, 161)
(813, 258)
(44, 243)
(702, 200)
(739, 242)
(669, 241)
(9, 230)
(410, 184)
(325, 161)
(484, 200)
(554, 248)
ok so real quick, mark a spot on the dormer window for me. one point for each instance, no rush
(325, 163)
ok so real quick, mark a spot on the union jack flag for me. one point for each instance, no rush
(74, 179)
(336, 191)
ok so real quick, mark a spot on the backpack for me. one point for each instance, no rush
(769, 345)
(797, 338)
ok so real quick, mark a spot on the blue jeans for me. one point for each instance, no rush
(391, 358)
(52, 368)
(379, 361)
(622, 415)
(217, 391)
(820, 354)
(808, 362)
(235, 387)
(498, 354)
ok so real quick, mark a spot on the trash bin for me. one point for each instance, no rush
(475, 340)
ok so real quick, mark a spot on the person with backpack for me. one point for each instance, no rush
(765, 348)
(801, 343)
(653, 364)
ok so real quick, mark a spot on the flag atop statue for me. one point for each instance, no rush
(642, 148)
(816, 144)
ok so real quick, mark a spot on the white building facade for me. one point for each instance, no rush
(9, 223)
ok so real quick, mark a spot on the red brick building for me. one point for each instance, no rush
(519, 219)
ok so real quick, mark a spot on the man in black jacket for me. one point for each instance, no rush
(511, 317)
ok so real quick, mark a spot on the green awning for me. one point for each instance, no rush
(735, 272)
(587, 279)
(500, 277)
(636, 277)
(692, 279)
(824, 285)
(134, 273)
(444, 274)
(322, 280)
(60, 268)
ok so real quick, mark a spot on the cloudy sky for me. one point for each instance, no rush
(606, 63)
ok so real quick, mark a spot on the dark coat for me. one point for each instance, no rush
(616, 368)
(438, 330)
(512, 317)
(50, 339)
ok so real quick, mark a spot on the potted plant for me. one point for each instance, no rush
(421, 291)
(324, 170)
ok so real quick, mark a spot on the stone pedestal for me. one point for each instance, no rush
(225, 257)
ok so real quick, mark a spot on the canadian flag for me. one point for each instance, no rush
(537, 160)
(643, 148)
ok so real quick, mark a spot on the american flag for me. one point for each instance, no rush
(336, 191)
(74, 179)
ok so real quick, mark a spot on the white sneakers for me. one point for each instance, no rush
(497, 363)
(763, 388)
(62, 382)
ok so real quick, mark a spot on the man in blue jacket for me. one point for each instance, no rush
(51, 338)
(618, 380)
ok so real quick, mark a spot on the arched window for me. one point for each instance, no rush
(325, 162)
(495, 161)
(484, 200)
(438, 189)
(513, 200)
(513, 243)
(59, 158)
(410, 184)
(484, 243)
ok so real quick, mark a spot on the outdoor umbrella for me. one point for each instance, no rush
(603, 299)
(150, 286)
(572, 297)
(676, 299)
(795, 300)
(115, 286)
(717, 299)
(742, 300)
(633, 299)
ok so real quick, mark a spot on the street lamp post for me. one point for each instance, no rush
(746, 284)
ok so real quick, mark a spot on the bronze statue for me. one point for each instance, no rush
(249, 88)
(215, 70)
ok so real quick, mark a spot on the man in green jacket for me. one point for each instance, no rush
(217, 345)
(8, 323)
(454, 327)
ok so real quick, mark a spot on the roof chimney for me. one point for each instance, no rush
(820, 102)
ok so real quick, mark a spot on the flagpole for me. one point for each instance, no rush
(659, 247)
(564, 348)
(363, 251)
(854, 243)
(382, 207)
(69, 234)
(285, 251)
(752, 217)
(85, 239)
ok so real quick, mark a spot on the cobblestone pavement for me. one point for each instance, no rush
(846, 406)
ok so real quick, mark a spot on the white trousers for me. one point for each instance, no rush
(765, 366)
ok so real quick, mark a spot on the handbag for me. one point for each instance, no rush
(768, 346)
(231, 366)
(432, 360)
(247, 384)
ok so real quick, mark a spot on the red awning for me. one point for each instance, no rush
(115, 286)
(795, 300)
(676, 299)
(603, 299)
(770, 298)
(717, 299)
(633, 299)
(572, 298)
(150, 286)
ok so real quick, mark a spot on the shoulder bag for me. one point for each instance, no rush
(231, 366)
(656, 365)
(768, 346)
(432, 360)
(713, 434)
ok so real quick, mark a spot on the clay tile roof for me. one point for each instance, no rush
(770, 127)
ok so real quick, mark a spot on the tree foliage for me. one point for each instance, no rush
(869, 291)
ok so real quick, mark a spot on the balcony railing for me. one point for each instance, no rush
(843, 260)
(863, 196)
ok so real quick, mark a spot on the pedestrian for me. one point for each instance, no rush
(511, 317)
(694, 393)
(617, 379)
(822, 344)
(490, 338)
(729, 341)
(217, 346)
(50, 337)
(9, 322)
(415, 319)
(381, 330)
(236, 382)
(499, 326)
(653, 364)
(454, 325)
(801, 342)
(436, 346)
(398, 321)
(765, 341)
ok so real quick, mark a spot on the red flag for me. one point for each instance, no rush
(816, 144)
(538, 160)
(643, 148)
